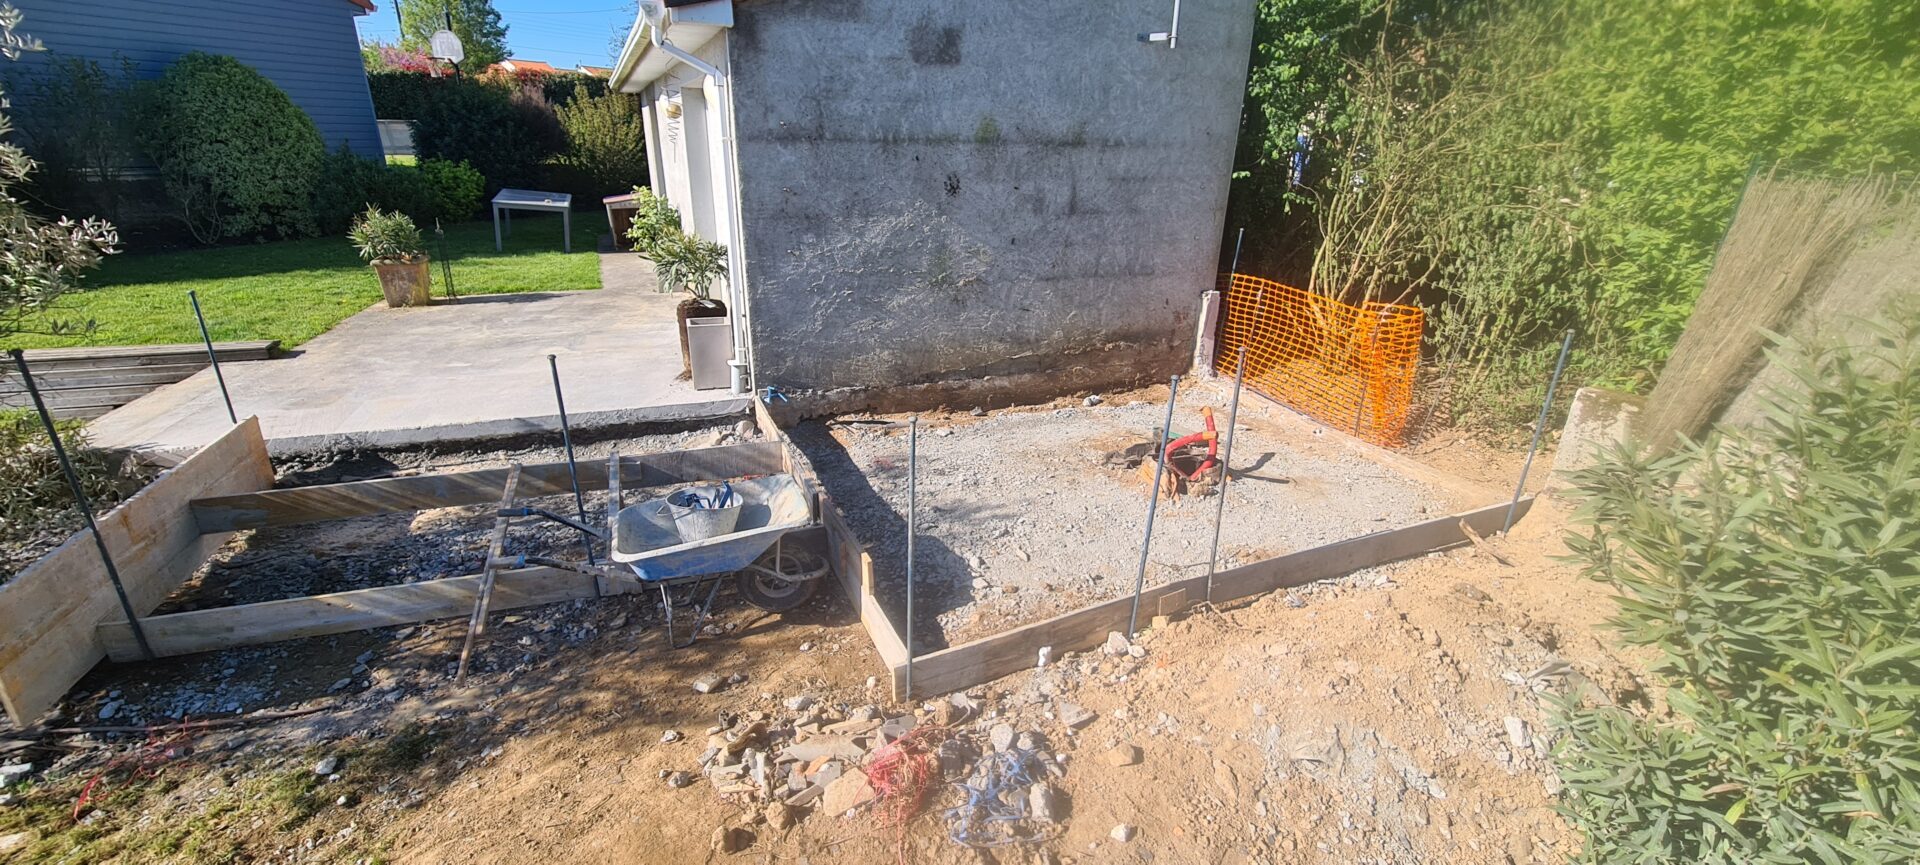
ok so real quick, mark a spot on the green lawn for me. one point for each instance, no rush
(295, 290)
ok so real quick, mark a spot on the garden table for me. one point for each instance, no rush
(510, 200)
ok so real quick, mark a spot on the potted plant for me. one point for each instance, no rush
(391, 243)
(654, 222)
(686, 263)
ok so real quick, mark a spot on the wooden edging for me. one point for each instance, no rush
(50, 610)
(476, 487)
(339, 612)
(986, 659)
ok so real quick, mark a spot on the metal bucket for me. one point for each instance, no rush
(699, 524)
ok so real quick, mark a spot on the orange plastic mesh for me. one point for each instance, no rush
(1349, 367)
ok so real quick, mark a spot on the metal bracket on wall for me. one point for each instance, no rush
(1171, 35)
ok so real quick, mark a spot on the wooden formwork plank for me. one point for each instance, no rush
(338, 613)
(49, 611)
(986, 659)
(476, 487)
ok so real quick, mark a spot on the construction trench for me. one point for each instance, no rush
(1030, 526)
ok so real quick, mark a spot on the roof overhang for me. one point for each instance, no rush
(365, 6)
(688, 25)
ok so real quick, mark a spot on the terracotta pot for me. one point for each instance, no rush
(405, 283)
(693, 307)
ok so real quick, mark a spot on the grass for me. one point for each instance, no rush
(295, 290)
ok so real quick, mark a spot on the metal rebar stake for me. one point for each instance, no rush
(81, 502)
(1226, 469)
(1153, 507)
(573, 472)
(913, 482)
(212, 358)
(1237, 240)
(1539, 427)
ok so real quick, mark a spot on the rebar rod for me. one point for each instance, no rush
(1539, 427)
(1226, 468)
(573, 471)
(81, 501)
(212, 358)
(1153, 507)
(913, 481)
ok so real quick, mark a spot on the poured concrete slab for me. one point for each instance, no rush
(472, 369)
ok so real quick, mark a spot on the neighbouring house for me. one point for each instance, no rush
(308, 48)
(594, 71)
(524, 67)
(1025, 199)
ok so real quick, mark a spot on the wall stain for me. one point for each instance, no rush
(932, 45)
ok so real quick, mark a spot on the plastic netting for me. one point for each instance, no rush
(1349, 367)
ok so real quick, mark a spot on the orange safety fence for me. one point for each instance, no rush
(1349, 367)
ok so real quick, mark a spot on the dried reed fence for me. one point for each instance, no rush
(1786, 238)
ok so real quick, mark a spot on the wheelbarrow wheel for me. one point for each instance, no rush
(770, 589)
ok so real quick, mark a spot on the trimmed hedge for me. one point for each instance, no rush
(506, 135)
(433, 190)
(236, 156)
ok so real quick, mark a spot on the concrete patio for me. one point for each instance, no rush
(472, 369)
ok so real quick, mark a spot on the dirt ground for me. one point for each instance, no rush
(1394, 715)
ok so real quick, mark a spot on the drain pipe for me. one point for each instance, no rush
(737, 296)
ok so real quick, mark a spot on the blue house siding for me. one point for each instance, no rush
(308, 47)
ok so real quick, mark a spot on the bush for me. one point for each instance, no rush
(455, 188)
(686, 263)
(654, 221)
(34, 496)
(237, 157)
(77, 127)
(502, 135)
(606, 142)
(1777, 570)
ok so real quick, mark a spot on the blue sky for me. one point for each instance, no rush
(565, 33)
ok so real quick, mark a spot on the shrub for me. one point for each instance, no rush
(455, 188)
(77, 127)
(40, 259)
(686, 263)
(237, 157)
(606, 141)
(400, 94)
(488, 128)
(1777, 571)
(654, 221)
(34, 496)
(386, 237)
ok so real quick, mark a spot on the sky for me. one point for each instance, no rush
(565, 33)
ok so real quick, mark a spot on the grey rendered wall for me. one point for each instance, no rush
(936, 191)
(309, 48)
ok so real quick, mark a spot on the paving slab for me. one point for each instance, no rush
(472, 369)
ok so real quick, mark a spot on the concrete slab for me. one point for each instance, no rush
(472, 369)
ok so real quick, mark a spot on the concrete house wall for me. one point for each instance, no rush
(309, 48)
(936, 191)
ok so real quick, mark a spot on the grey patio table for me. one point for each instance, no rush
(510, 200)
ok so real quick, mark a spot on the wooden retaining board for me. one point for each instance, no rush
(50, 610)
(340, 612)
(89, 382)
(989, 658)
(476, 487)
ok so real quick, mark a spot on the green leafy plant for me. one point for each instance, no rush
(236, 156)
(506, 134)
(43, 258)
(686, 263)
(34, 496)
(1777, 571)
(655, 221)
(77, 126)
(386, 237)
(455, 188)
(606, 141)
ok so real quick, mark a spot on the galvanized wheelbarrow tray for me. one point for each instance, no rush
(646, 539)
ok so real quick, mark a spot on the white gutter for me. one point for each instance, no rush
(730, 179)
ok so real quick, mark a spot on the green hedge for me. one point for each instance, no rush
(507, 135)
(236, 156)
(402, 95)
(431, 190)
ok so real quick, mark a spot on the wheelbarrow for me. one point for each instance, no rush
(648, 540)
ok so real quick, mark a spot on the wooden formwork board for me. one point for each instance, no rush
(989, 658)
(476, 487)
(50, 610)
(342, 612)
